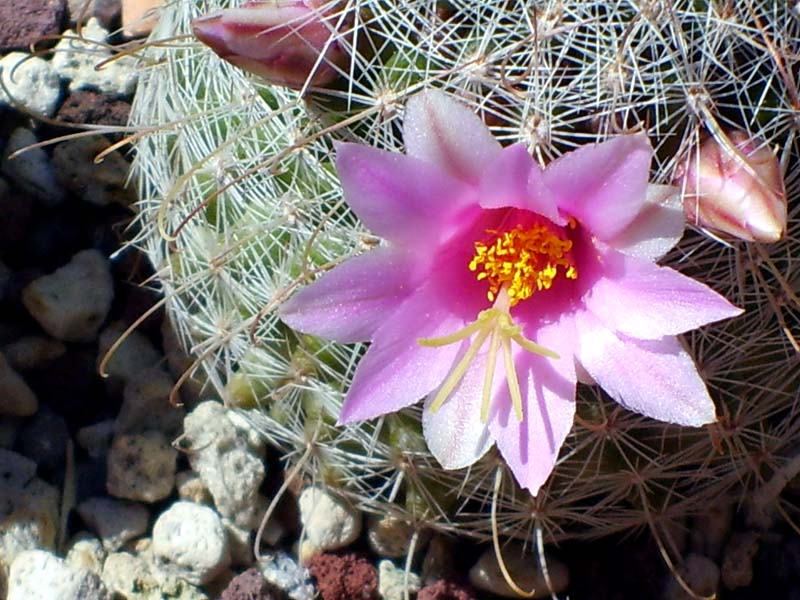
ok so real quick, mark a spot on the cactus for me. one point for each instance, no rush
(239, 205)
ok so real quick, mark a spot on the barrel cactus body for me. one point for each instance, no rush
(240, 205)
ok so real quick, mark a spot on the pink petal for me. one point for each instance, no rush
(398, 197)
(642, 300)
(658, 226)
(455, 434)
(397, 371)
(530, 447)
(440, 130)
(348, 303)
(656, 378)
(602, 185)
(513, 179)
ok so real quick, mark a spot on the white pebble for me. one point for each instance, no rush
(228, 459)
(281, 570)
(31, 82)
(71, 303)
(86, 552)
(141, 467)
(115, 521)
(76, 61)
(393, 582)
(39, 575)
(525, 571)
(328, 523)
(190, 542)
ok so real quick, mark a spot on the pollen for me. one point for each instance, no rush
(523, 260)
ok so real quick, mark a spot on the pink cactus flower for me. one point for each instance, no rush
(735, 189)
(499, 282)
(285, 42)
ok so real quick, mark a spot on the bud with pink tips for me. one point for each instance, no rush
(735, 188)
(285, 42)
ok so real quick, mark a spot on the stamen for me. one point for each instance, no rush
(488, 379)
(459, 335)
(512, 379)
(457, 374)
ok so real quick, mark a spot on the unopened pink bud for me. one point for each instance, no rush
(736, 189)
(285, 42)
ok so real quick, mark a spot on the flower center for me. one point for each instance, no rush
(524, 261)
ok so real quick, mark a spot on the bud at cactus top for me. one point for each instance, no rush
(735, 188)
(285, 42)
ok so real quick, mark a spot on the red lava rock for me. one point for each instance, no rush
(344, 577)
(251, 585)
(445, 590)
(87, 106)
(25, 23)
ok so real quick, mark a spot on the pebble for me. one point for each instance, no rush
(240, 545)
(344, 577)
(250, 585)
(146, 405)
(31, 83)
(96, 438)
(137, 18)
(392, 581)
(190, 542)
(75, 60)
(141, 467)
(390, 536)
(101, 183)
(71, 303)
(93, 108)
(134, 354)
(524, 570)
(16, 470)
(106, 11)
(33, 352)
(29, 22)
(228, 457)
(700, 573)
(190, 488)
(44, 440)
(17, 399)
(438, 563)
(737, 559)
(28, 521)
(328, 523)
(283, 571)
(39, 575)
(115, 521)
(130, 576)
(32, 171)
(86, 552)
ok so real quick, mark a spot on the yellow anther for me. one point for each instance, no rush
(524, 261)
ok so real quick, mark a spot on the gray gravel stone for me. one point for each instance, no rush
(32, 170)
(16, 470)
(101, 183)
(146, 405)
(44, 439)
(96, 438)
(31, 82)
(115, 521)
(524, 570)
(190, 542)
(39, 575)
(141, 467)
(134, 355)
(33, 352)
(17, 399)
(72, 302)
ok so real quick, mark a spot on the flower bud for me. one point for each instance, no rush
(735, 188)
(285, 42)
